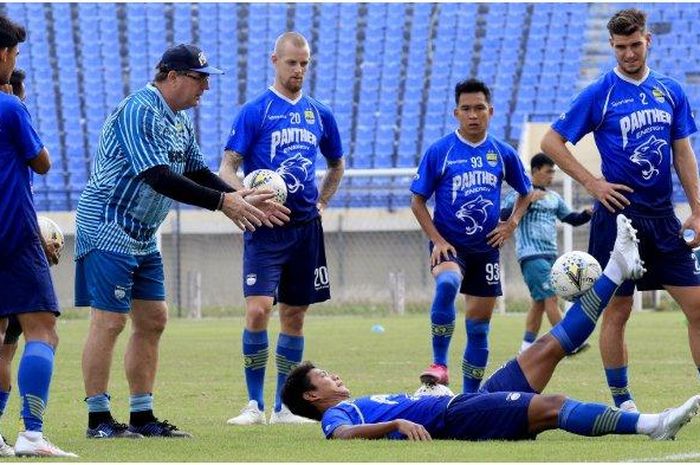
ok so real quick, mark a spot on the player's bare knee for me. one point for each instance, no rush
(257, 315)
(113, 324)
(292, 319)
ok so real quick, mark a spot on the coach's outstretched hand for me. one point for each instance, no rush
(251, 208)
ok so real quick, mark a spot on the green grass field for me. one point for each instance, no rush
(201, 384)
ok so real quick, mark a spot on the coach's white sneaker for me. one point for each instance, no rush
(34, 444)
(629, 406)
(6, 450)
(285, 416)
(626, 250)
(250, 415)
(674, 419)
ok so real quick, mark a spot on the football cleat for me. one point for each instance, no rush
(626, 250)
(111, 429)
(40, 446)
(161, 429)
(673, 420)
(250, 415)
(435, 374)
(285, 416)
(629, 406)
(6, 450)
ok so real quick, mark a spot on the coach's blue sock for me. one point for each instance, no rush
(579, 322)
(141, 402)
(530, 336)
(589, 419)
(34, 379)
(290, 350)
(618, 384)
(442, 313)
(4, 395)
(476, 354)
(255, 352)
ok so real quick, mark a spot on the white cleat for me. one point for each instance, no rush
(6, 450)
(626, 250)
(285, 416)
(629, 406)
(250, 415)
(674, 419)
(36, 445)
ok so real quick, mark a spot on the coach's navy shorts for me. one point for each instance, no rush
(288, 263)
(481, 272)
(667, 258)
(482, 416)
(536, 273)
(109, 281)
(25, 282)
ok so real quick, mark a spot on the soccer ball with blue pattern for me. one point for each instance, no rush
(267, 179)
(573, 274)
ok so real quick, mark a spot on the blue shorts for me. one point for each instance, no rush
(483, 416)
(25, 282)
(508, 378)
(109, 281)
(667, 258)
(536, 272)
(287, 263)
(481, 272)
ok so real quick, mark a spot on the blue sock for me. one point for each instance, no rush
(579, 322)
(34, 379)
(98, 403)
(4, 395)
(141, 402)
(476, 354)
(442, 313)
(617, 382)
(530, 336)
(588, 419)
(255, 353)
(290, 350)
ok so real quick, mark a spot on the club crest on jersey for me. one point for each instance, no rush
(474, 214)
(648, 155)
(309, 116)
(491, 158)
(119, 292)
(294, 170)
(658, 95)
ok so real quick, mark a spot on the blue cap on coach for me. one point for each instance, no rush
(186, 58)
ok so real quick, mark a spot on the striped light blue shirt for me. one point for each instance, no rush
(118, 212)
(536, 234)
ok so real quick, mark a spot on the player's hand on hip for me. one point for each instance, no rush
(609, 194)
(275, 213)
(692, 223)
(52, 250)
(441, 252)
(501, 233)
(413, 431)
(321, 207)
(244, 215)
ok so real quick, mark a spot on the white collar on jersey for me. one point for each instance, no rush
(170, 111)
(471, 144)
(286, 99)
(629, 79)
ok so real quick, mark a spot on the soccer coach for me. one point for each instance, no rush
(147, 157)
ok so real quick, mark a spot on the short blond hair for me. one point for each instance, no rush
(294, 38)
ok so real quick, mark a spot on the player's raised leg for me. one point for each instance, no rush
(532, 370)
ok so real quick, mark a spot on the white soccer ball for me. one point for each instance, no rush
(436, 390)
(267, 179)
(50, 231)
(573, 274)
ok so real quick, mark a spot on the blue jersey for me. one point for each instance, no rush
(273, 132)
(428, 411)
(19, 144)
(466, 179)
(118, 212)
(536, 234)
(634, 124)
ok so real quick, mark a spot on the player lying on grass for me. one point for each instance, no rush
(508, 406)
